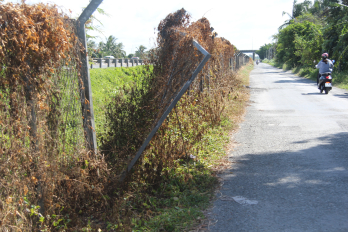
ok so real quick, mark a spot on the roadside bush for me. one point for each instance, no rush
(45, 170)
(132, 115)
(108, 82)
(173, 60)
(49, 181)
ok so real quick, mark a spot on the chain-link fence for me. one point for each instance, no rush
(42, 139)
(181, 65)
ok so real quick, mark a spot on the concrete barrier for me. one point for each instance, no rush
(107, 63)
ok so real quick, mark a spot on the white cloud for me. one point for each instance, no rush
(246, 24)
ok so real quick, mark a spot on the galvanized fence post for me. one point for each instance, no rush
(233, 63)
(85, 86)
(169, 109)
(32, 118)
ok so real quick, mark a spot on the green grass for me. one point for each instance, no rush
(340, 79)
(177, 204)
(276, 64)
(183, 201)
(106, 82)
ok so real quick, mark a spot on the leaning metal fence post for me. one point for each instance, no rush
(85, 87)
(169, 109)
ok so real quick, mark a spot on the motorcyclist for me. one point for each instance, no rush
(324, 66)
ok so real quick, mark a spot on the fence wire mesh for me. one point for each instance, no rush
(41, 135)
(43, 157)
(174, 59)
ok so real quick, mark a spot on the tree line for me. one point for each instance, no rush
(311, 29)
(112, 48)
(109, 47)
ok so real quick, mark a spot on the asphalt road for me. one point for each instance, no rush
(290, 169)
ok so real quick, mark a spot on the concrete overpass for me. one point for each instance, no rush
(249, 51)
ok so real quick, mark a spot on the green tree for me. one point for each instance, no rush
(141, 52)
(292, 37)
(101, 51)
(311, 30)
(297, 10)
(92, 48)
(263, 50)
(119, 51)
(308, 46)
(336, 33)
(110, 48)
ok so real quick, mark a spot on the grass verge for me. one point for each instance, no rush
(178, 203)
(340, 78)
(106, 82)
(183, 201)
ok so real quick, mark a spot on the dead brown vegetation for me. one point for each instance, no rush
(48, 180)
(201, 108)
(174, 60)
(43, 163)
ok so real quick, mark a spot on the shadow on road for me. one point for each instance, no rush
(294, 81)
(314, 93)
(341, 95)
(336, 95)
(273, 72)
(303, 190)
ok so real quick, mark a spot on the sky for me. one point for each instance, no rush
(248, 24)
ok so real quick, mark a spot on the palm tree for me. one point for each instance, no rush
(119, 52)
(91, 48)
(321, 6)
(101, 51)
(141, 52)
(110, 45)
(93, 23)
(111, 48)
(297, 10)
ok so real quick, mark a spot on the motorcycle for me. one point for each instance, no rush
(257, 62)
(325, 83)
